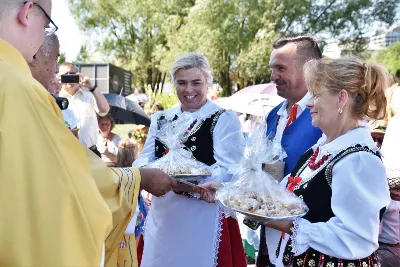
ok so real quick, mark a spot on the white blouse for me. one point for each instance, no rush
(112, 146)
(228, 140)
(390, 148)
(359, 191)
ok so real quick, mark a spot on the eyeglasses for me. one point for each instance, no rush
(52, 27)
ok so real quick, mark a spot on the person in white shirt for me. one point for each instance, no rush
(69, 117)
(290, 121)
(343, 180)
(389, 238)
(108, 141)
(85, 100)
(181, 229)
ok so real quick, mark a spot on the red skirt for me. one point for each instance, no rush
(230, 251)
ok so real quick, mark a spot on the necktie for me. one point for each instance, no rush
(292, 115)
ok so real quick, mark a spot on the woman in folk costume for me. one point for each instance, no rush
(182, 230)
(341, 178)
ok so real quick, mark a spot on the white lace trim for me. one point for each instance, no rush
(217, 237)
(300, 237)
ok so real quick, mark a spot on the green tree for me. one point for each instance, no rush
(132, 32)
(145, 36)
(237, 35)
(390, 57)
(62, 58)
(83, 56)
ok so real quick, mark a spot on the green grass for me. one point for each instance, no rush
(123, 129)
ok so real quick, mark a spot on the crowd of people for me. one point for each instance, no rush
(76, 194)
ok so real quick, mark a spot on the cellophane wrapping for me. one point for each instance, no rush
(178, 159)
(254, 191)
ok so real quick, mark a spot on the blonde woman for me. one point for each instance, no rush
(393, 98)
(343, 180)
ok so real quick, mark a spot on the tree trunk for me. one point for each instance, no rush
(160, 75)
(162, 83)
(224, 78)
(158, 81)
(149, 78)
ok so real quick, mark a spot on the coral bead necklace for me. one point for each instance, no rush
(315, 165)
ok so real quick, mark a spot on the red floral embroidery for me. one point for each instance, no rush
(293, 182)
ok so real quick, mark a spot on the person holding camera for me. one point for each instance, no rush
(85, 101)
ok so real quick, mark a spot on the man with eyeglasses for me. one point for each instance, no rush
(85, 100)
(52, 189)
(45, 196)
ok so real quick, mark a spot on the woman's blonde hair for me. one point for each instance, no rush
(365, 83)
(393, 99)
(127, 153)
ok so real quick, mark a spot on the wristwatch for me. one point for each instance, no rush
(94, 88)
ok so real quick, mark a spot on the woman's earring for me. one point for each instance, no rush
(340, 110)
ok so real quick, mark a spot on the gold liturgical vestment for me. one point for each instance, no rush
(51, 211)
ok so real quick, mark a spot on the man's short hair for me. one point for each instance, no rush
(50, 41)
(7, 5)
(69, 65)
(307, 46)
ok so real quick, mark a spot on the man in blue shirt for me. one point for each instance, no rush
(290, 121)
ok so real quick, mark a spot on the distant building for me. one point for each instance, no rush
(384, 38)
(108, 78)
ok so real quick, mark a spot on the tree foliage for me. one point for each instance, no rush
(61, 59)
(146, 36)
(84, 55)
(390, 57)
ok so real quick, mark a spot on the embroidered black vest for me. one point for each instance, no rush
(200, 141)
(316, 192)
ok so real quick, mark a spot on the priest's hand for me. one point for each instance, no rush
(395, 193)
(208, 191)
(156, 182)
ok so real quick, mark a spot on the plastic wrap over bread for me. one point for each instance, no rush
(254, 192)
(178, 161)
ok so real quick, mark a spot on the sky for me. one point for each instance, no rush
(71, 38)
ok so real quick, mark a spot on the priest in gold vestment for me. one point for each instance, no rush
(57, 200)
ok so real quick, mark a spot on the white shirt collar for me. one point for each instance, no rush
(64, 93)
(359, 136)
(301, 106)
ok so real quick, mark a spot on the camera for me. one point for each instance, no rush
(70, 78)
(62, 102)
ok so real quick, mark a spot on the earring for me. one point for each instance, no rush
(340, 110)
